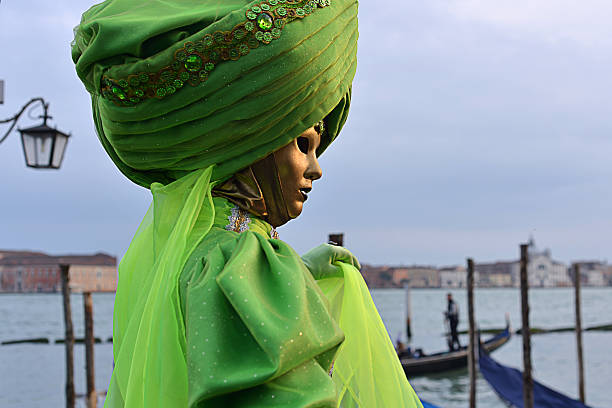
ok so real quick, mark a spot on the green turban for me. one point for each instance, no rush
(182, 85)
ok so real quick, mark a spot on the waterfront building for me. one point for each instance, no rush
(543, 271)
(400, 276)
(416, 276)
(595, 278)
(608, 275)
(500, 280)
(453, 277)
(27, 271)
(496, 274)
(377, 276)
(595, 273)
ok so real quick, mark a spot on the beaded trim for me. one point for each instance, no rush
(193, 63)
(239, 220)
(320, 127)
(273, 233)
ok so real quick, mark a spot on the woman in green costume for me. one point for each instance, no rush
(221, 109)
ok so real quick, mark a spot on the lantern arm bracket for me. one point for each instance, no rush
(16, 117)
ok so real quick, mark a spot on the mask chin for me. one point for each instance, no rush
(268, 178)
(258, 189)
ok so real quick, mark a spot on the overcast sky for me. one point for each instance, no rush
(474, 124)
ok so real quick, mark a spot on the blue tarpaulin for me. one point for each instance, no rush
(428, 405)
(508, 383)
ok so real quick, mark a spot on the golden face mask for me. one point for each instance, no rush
(276, 187)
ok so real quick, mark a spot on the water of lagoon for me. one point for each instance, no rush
(33, 375)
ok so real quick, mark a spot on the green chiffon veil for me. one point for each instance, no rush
(148, 314)
(366, 371)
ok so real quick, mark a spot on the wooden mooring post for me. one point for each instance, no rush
(471, 332)
(579, 333)
(407, 302)
(336, 239)
(91, 396)
(527, 378)
(69, 336)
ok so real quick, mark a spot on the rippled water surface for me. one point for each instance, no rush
(553, 355)
(33, 375)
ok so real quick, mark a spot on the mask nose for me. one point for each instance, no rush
(313, 171)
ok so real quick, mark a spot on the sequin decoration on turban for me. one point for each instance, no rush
(213, 82)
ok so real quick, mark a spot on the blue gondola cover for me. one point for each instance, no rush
(428, 405)
(508, 383)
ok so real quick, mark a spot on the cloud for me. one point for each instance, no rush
(585, 23)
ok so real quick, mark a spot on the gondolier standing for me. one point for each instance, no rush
(452, 316)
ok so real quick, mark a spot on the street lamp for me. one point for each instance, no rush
(43, 146)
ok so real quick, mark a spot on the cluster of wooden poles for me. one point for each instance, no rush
(525, 332)
(91, 396)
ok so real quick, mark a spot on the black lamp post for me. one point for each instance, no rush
(43, 146)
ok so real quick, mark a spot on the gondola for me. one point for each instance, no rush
(448, 360)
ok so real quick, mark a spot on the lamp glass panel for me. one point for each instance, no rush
(58, 151)
(43, 150)
(29, 149)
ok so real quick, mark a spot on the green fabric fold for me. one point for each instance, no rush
(254, 318)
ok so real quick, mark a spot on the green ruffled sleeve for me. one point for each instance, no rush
(258, 328)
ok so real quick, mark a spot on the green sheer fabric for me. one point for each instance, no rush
(366, 370)
(244, 324)
(148, 329)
